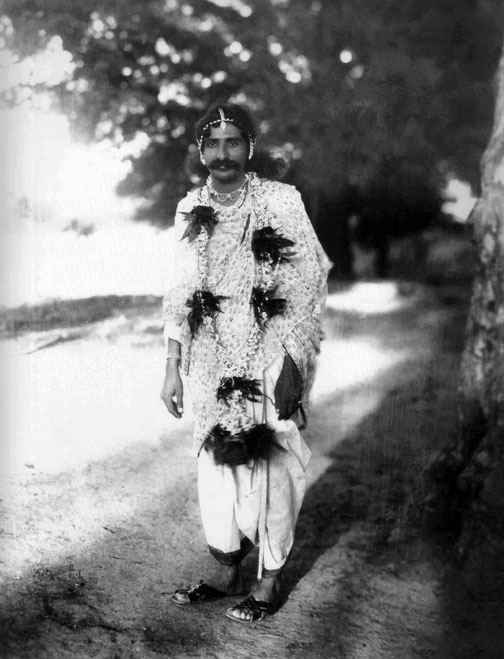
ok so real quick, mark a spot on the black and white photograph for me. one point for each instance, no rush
(252, 329)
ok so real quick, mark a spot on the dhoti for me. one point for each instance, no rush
(257, 503)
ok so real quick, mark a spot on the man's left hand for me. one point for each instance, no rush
(288, 389)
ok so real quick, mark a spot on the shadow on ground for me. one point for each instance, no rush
(112, 600)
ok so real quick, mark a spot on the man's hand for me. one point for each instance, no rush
(288, 389)
(173, 391)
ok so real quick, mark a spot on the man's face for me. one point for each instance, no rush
(225, 153)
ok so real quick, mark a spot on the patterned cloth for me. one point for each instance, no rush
(259, 501)
(232, 274)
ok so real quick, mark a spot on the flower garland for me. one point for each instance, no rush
(201, 218)
(236, 438)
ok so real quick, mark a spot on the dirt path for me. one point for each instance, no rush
(98, 535)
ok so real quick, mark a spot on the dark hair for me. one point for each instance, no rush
(234, 114)
(262, 162)
(267, 165)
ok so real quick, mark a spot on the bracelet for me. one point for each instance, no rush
(172, 355)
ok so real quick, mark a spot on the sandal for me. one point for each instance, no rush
(200, 592)
(257, 610)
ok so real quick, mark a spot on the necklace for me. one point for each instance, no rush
(222, 197)
(266, 271)
(237, 437)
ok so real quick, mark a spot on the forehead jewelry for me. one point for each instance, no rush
(223, 124)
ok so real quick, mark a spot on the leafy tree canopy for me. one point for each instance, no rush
(344, 88)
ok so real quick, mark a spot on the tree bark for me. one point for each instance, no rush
(470, 473)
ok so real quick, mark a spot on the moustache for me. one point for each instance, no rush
(224, 162)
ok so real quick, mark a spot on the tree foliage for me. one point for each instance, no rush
(350, 90)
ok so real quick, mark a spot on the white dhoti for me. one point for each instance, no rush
(258, 502)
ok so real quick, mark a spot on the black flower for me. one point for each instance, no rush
(249, 389)
(233, 450)
(200, 217)
(269, 245)
(202, 304)
(265, 305)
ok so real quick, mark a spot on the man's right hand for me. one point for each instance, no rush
(173, 391)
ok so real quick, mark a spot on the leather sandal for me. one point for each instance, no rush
(200, 592)
(256, 609)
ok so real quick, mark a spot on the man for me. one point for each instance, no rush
(242, 320)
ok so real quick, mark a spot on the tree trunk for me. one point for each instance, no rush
(470, 473)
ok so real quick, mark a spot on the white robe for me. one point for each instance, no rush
(260, 501)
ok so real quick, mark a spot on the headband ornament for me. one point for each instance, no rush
(223, 121)
(223, 124)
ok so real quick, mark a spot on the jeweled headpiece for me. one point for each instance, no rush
(223, 123)
(223, 115)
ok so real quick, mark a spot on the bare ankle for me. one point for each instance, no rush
(267, 587)
(232, 578)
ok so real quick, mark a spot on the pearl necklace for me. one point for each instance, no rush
(222, 197)
(264, 277)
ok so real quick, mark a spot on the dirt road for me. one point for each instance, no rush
(100, 520)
